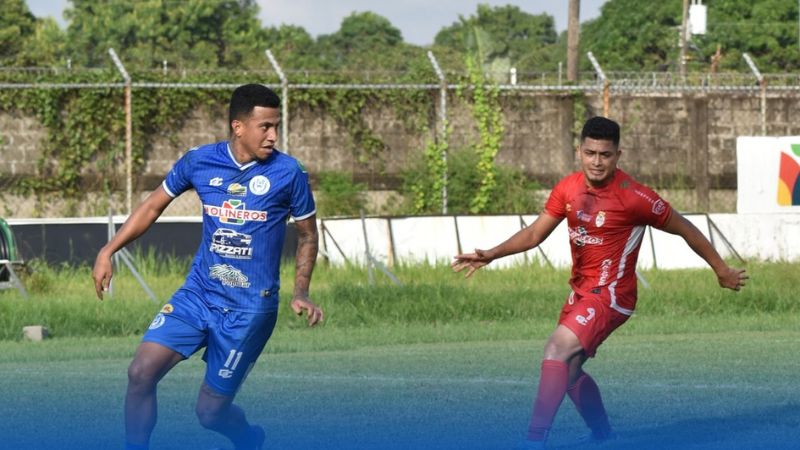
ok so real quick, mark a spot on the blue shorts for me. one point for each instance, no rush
(233, 339)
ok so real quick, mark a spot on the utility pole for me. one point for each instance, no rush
(684, 30)
(573, 39)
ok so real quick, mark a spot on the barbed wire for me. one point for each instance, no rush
(621, 82)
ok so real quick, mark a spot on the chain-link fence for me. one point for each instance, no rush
(105, 117)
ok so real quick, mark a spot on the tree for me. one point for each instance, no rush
(766, 29)
(523, 40)
(364, 40)
(635, 35)
(26, 40)
(293, 46)
(45, 47)
(200, 33)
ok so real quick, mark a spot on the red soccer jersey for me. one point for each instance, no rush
(606, 226)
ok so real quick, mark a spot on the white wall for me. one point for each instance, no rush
(768, 237)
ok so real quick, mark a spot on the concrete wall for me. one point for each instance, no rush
(671, 141)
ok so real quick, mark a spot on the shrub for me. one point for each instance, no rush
(514, 193)
(339, 195)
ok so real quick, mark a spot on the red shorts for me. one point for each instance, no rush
(591, 318)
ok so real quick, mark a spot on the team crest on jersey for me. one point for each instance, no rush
(228, 276)
(233, 212)
(167, 309)
(237, 190)
(600, 219)
(259, 185)
(216, 181)
(569, 207)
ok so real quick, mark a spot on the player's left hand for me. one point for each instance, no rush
(732, 278)
(471, 261)
(315, 315)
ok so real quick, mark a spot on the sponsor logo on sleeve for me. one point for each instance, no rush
(216, 181)
(234, 212)
(167, 309)
(659, 207)
(231, 244)
(259, 185)
(237, 190)
(644, 196)
(568, 207)
(228, 276)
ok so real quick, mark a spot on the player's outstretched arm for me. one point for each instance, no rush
(523, 240)
(139, 221)
(307, 245)
(728, 277)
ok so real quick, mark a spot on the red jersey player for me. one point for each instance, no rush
(606, 212)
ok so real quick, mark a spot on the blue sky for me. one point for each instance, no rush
(418, 20)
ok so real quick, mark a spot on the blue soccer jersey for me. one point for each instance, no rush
(245, 207)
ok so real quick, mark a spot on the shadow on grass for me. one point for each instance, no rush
(768, 428)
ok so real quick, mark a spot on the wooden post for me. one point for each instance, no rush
(573, 39)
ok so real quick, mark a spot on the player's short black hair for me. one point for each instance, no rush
(602, 129)
(248, 96)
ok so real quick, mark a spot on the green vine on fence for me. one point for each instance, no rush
(85, 128)
(486, 110)
(579, 112)
(426, 191)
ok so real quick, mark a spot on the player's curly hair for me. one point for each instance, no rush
(602, 129)
(247, 97)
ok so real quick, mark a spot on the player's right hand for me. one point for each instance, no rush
(471, 262)
(101, 274)
(731, 278)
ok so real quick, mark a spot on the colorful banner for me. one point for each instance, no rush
(768, 174)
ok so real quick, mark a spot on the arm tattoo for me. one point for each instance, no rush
(307, 245)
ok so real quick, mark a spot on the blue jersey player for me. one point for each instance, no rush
(229, 301)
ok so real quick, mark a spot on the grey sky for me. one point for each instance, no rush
(418, 20)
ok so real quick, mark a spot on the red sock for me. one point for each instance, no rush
(586, 396)
(552, 387)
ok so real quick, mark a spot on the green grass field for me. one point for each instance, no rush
(440, 363)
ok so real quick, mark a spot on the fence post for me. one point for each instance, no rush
(762, 82)
(697, 107)
(284, 102)
(128, 132)
(606, 84)
(442, 129)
